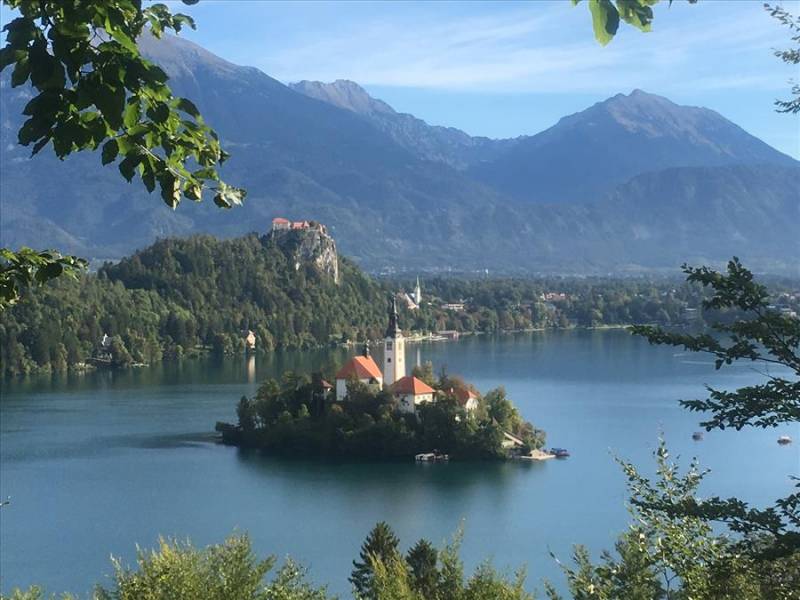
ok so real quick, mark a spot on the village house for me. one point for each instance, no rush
(466, 398)
(410, 392)
(249, 339)
(362, 368)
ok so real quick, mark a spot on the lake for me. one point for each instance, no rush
(100, 462)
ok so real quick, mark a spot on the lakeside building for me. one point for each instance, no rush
(249, 339)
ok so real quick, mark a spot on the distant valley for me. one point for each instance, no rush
(632, 184)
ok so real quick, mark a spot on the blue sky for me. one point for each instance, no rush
(503, 69)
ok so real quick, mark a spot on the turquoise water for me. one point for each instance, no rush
(98, 463)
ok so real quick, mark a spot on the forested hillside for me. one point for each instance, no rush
(179, 294)
(180, 297)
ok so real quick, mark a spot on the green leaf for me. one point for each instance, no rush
(128, 166)
(21, 72)
(170, 189)
(228, 196)
(9, 56)
(188, 107)
(193, 191)
(605, 20)
(158, 113)
(110, 151)
(40, 144)
(132, 112)
(49, 271)
(111, 103)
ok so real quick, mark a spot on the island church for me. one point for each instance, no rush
(408, 390)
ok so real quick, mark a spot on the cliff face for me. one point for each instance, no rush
(311, 246)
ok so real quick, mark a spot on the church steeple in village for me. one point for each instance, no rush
(394, 348)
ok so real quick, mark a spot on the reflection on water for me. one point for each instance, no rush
(98, 462)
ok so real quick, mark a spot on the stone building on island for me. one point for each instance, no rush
(409, 391)
(362, 368)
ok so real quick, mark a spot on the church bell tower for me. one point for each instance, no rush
(394, 348)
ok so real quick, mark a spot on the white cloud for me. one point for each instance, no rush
(540, 48)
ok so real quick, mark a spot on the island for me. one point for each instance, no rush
(366, 412)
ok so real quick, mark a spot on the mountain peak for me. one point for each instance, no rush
(344, 94)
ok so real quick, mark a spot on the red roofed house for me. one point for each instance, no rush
(466, 398)
(362, 368)
(410, 392)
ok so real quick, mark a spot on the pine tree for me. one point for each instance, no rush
(381, 544)
(422, 561)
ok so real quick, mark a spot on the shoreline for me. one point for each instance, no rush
(199, 351)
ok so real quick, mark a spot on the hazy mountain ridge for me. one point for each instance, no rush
(589, 153)
(390, 202)
(431, 142)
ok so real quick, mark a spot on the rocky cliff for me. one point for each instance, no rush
(309, 246)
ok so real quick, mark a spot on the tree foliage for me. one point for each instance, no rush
(19, 270)
(675, 556)
(381, 546)
(166, 301)
(760, 334)
(93, 89)
(607, 14)
(673, 541)
(298, 416)
(791, 56)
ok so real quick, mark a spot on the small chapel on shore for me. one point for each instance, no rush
(409, 391)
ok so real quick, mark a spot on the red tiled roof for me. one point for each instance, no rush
(411, 385)
(363, 367)
(463, 395)
(280, 220)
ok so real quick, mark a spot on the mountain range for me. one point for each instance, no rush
(635, 183)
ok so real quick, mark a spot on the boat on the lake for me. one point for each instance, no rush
(784, 439)
(697, 436)
(559, 452)
(432, 457)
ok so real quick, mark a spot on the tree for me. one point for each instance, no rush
(674, 532)
(381, 545)
(92, 88)
(665, 556)
(757, 333)
(790, 56)
(422, 561)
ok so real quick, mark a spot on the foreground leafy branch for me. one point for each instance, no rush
(95, 88)
(26, 267)
(758, 334)
(790, 56)
(607, 14)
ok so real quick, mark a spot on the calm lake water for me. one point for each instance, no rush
(96, 464)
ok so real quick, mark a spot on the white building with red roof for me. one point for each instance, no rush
(410, 392)
(364, 369)
(466, 398)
